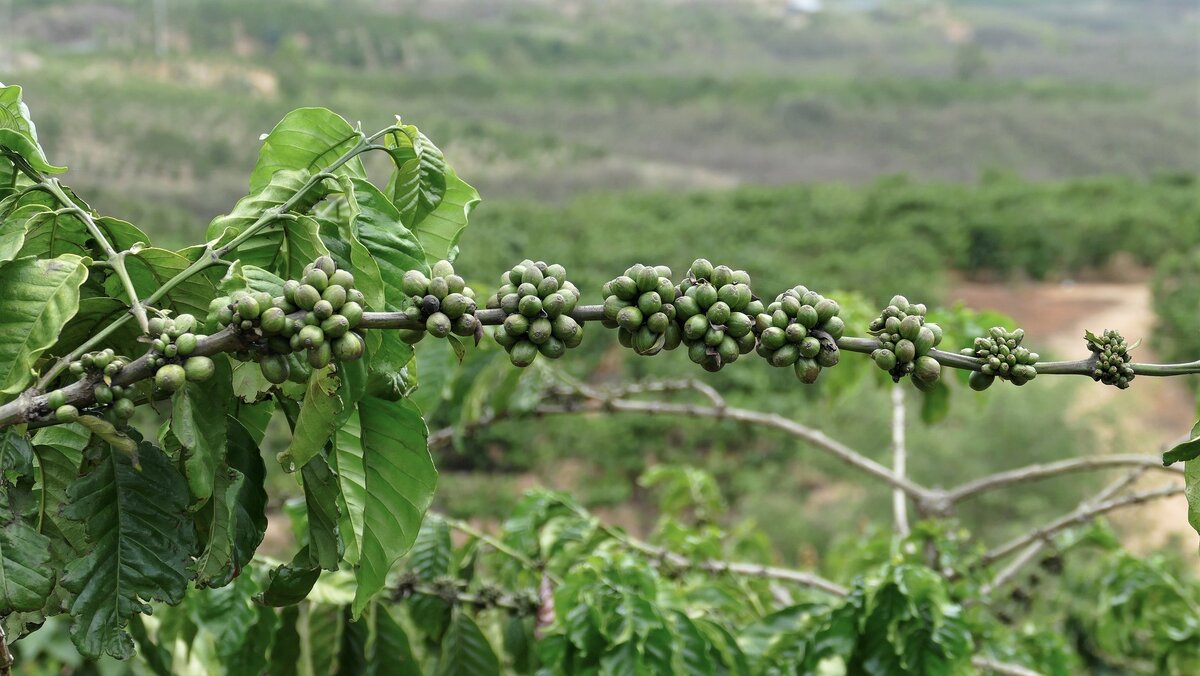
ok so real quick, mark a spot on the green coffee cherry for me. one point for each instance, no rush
(124, 408)
(56, 399)
(320, 356)
(66, 413)
(170, 377)
(102, 393)
(349, 347)
(199, 369)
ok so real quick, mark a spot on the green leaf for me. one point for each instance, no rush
(251, 657)
(13, 226)
(59, 450)
(321, 633)
(18, 133)
(418, 182)
(320, 500)
(306, 138)
(26, 576)
(236, 517)
(49, 234)
(136, 522)
(314, 426)
(466, 651)
(280, 245)
(151, 268)
(935, 404)
(388, 650)
(382, 232)
(347, 461)
(1188, 450)
(16, 455)
(400, 482)
(285, 648)
(216, 524)
(439, 231)
(198, 413)
(289, 583)
(94, 314)
(40, 297)
(1191, 478)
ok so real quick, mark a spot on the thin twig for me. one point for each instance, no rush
(1033, 549)
(1051, 469)
(1076, 517)
(116, 259)
(899, 461)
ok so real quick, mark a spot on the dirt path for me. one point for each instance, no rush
(1150, 415)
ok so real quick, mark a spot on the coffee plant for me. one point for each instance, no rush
(304, 305)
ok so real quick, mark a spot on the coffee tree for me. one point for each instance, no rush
(305, 304)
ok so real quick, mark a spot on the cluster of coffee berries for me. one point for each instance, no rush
(714, 308)
(442, 303)
(538, 300)
(100, 366)
(1003, 357)
(332, 309)
(1112, 358)
(800, 329)
(640, 305)
(171, 353)
(905, 341)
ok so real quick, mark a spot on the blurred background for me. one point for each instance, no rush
(1034, 158)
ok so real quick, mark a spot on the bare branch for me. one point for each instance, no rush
(1076, 517)
(899, 460)
(1051, 469)
(1032, 550)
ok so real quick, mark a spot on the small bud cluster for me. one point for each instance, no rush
(1003, 357)
(800, 329)
(537, 299)
(1112, 358)
(332, 309)
(905, 341)
(640, 305)
(714, 308)
(443, 303)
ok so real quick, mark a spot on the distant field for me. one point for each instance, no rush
(547, 99)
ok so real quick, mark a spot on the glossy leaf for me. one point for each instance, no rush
(40, 297)
(400, 483)
(141, 541)
(347, 462)
(26, 576)
(280, 245)
(314, 426)
(198, 414)
(1191, 478)
(321, 503)
(439, 231)
(418, 182)
(388, 651)
(308, 139)
(289, 583)
(1187, 450)
(18, 133)
(466, 651)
